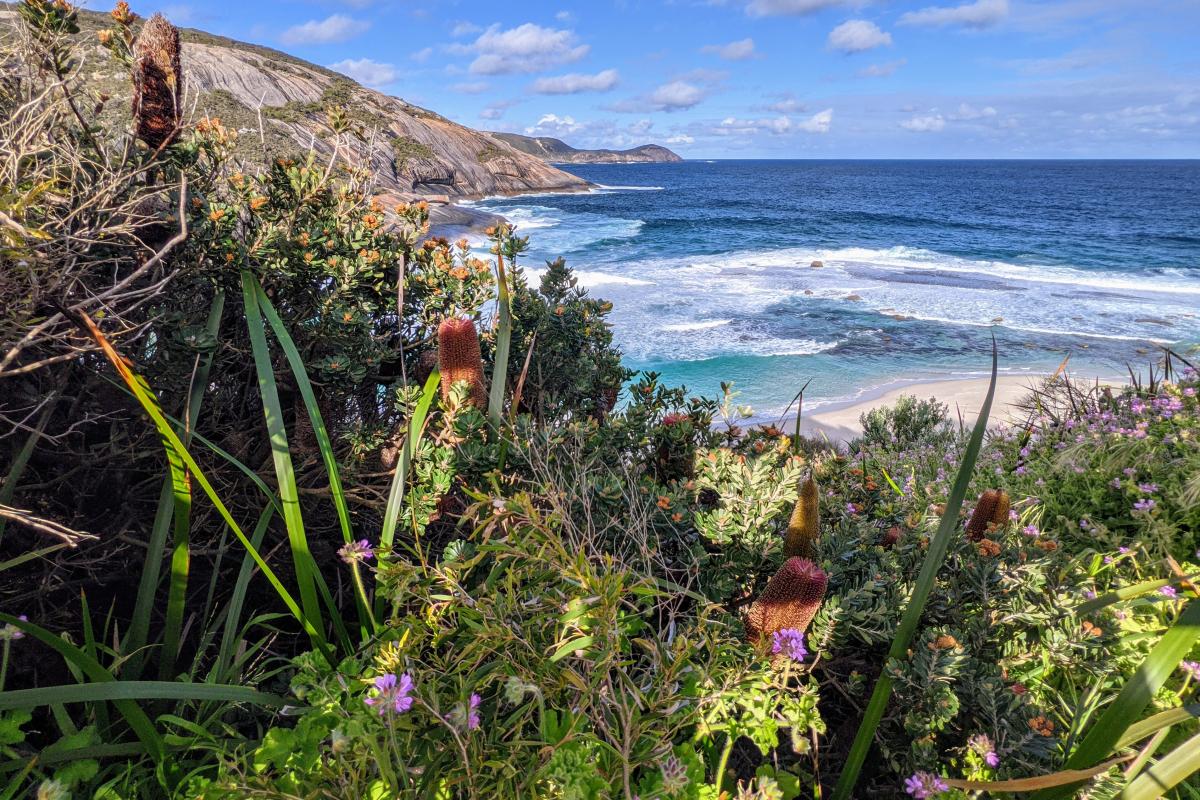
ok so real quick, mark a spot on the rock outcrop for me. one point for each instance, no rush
(556, 151)
(277, 103)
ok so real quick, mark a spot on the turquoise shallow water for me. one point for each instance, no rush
(709, 265)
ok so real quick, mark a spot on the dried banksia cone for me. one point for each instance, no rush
(790, 600)
(157, 83)
(805, 524)
(459, 360)
(991, 510)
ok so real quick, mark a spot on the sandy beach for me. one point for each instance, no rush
(964, 397)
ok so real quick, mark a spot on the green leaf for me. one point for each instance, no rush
(416, 428)
(920, 595)
(504, 329)
(95, 672)
(1104, 735)
(285, 473)
(136, 690)
(565, 649)
(1167, 773)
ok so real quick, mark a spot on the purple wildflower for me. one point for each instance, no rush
(925, 784)
(392, 693)
(11, 632)
(851, 509)
(1031, 530)
(790, 642)
(1147, 488)
(982, 744)
(1169, 591)
(473, 717)
(356, 551)
(1192, 668)
(1145, 504)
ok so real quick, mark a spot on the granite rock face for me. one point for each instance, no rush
(409, 149)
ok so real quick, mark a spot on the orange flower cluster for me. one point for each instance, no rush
(459, 359)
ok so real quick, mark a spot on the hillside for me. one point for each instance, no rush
(556, 151)
(412, 152)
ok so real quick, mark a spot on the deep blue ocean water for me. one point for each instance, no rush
(709, 265)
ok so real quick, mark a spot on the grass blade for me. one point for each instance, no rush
(503, 340)
(1135, 695)
(115, 690)
(9, 487)
(95, 672)
(149, 404)
(233, 611)
(416, 427)
(1168, 772)
(172, 505)
(285, 474)
(916, 604)
(304, 385)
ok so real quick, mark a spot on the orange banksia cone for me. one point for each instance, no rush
(990, 511)
(791, 599)
(459, 360)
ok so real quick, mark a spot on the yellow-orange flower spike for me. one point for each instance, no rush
(790, 600)
(805, 524)
(157, 83)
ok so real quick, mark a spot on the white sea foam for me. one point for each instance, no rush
(697, 325)
(606, 188)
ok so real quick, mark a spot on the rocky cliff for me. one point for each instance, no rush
(556, 151)
(277, 103)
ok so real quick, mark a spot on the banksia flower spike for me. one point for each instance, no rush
(157, 83)
(459, 360)
(790, 600)
(991, 510)
(805, 524)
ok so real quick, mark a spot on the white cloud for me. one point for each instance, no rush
(779, 8)
(554, 125)
(787, 104)
(334, 28)
(471, 87)
(575, 82)
(464, 29)
(496, 110)
(980, 14)
(926, 124)
(641, 127)
(680, 138)
(676, 96)
(740, 50)
(422, 55)
(820, 122)
(967, 111)
(858, 35)
(366, 71)
(882, 70)
(525, 48)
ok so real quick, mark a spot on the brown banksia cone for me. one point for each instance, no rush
(991, 511)
(459, 360)
(790, 600)
(157, 83)
(805, 525)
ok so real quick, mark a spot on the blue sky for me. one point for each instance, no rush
(769, 78)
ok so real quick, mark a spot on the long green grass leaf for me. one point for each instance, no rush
(136, 690)
(149, 404)
(920, 595)
(231, 624)
(1151, 725)
(1135, 695)
(285, 474)
(324, 445)
(1167, 773)
(416, 427)
(174, 506)
(504, 330)
(95, 672)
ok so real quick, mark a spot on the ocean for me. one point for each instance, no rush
(710, 266)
